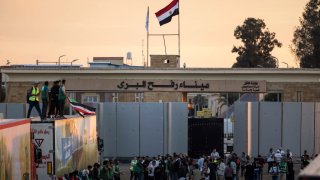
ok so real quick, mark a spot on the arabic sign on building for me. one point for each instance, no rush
(112, 85)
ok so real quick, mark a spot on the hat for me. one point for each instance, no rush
(36, 82)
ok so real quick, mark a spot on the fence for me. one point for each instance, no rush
(259, 126)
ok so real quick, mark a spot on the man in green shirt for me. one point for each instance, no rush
(283, 168)
(138, 170)
(106, 173)
(116, 171)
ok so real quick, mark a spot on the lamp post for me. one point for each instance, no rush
(73, 61)
(59, 61)
(286, 64)
(277, 61)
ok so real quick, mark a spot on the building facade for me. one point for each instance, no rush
(154, 85)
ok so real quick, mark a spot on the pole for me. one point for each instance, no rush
(147, 48)
(286, 64)
(164, 43)
(179, 28)
(59, 61)
(147, 24)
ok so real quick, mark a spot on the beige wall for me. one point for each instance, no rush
(310, 92)
(164, 61)
(289, 82)
(16, 92)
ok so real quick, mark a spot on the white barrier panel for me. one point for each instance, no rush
(307, 127)
(265, 125)
(254, 131)
(291, 127)
(151, 129)
(178, 128)
(270, 126)
(108, 128)
(128, 132)
(317, 129)
(240, 127)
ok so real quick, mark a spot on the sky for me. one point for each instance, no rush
(43, 30)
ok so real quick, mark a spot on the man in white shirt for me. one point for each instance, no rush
(278, 156)
(151, 167)
(200, 162)
(214, 154)
(220, 170)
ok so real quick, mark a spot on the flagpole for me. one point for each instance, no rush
(147, 48)
(148, 40)
(179, 28)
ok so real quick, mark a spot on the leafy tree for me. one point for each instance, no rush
(258, 42)
(200, 101)
(306, 37)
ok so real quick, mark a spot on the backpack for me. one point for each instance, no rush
(29, 94)
(228, 172)
(238, 162)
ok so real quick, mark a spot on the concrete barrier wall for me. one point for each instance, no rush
(128, 131)
(178, 128)
(269, 127)
(131, 129)
(108, 118)
(317, 128)
(240, 127)
(141, 129)
(307, 127)
(255, 126)
(290, 125)
(151, 129)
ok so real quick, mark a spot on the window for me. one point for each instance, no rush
(166, 61)
(233, 97)
(138, 97)
(115, 97)
(272, 97)
(90, 98)
(299, 96)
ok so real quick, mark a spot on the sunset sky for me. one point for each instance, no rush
(82, 29)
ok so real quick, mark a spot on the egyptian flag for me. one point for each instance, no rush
(164, 15)
(82, 109)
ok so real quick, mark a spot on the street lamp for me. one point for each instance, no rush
(277, 61)
(286, 64)
(74, 61)
(59, 61)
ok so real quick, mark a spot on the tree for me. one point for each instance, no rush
(258, 43)
(199, 101)
(306, 37)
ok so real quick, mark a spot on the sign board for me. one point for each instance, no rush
(174, 85)
(66, 145)
(43, 139)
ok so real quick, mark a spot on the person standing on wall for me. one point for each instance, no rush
(62, 98)
(54, 105)
(34, 99)
(45, 99)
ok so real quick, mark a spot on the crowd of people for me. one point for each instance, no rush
(109, 170)
(211, 167)
(53, 99)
